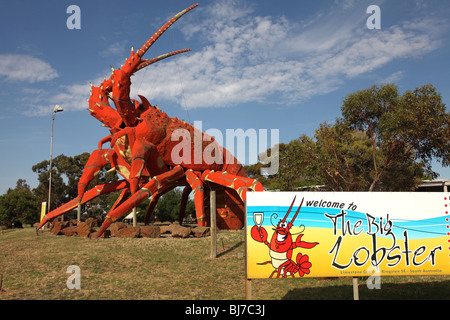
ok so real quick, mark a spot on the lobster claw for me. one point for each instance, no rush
(304, 244)
(259, 234)
(120, 79)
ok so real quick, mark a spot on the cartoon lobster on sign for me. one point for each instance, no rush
(281, 247)
(143, 141)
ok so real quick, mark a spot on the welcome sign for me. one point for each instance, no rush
(328, 234)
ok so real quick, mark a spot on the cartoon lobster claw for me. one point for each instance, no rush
(281, 247)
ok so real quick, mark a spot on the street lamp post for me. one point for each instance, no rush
(55, 110)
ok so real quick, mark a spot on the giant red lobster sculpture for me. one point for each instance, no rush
(142, 144)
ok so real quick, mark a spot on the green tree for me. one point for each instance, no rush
(295, 164)
(58, 195)
(66, 172)
(19, 204)
(402, 128)
(343, 162)
(168, 207)
(335, 157)
(254, 171)
(383, 141)
(339, 157)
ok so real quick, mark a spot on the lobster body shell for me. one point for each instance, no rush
(155, 153)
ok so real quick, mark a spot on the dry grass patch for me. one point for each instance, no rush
(34, 267)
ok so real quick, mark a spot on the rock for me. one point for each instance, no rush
(180, 231)
(83, 229)
(150, 232)
(117, 226)
(59, 227)
(105, 234)
(56, 227)
(92, 222)
(69, 231)
(68, 223)
(200, 232)
(176, 230)
(62, 223)
(133, 232)
(166, 229)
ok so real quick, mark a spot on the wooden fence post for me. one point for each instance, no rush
(213, 224)
(134, 217)
(79, 213)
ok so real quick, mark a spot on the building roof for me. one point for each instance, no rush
(435, 183)
(440, 185)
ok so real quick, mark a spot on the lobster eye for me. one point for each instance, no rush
(283, 225)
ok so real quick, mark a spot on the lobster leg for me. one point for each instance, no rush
(238, 183)
(291, 269)
(282, 268)
(141, 152)
(89, 195)
(161, 192)
(145, 159)
(154, 201)
(184, 199)
(155, 184)
(124, 195)
(196, 184)
(97, 160)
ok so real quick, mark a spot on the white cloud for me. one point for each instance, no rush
(71, 98)
(394, 77)
(374, 50)
(114, 49)
(250, 58)
(22, 67)
(346, 4)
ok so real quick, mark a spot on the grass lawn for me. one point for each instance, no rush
(35, 267)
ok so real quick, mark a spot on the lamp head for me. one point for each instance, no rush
(58, 108)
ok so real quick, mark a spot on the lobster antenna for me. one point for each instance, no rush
(147, 62)
(298, 210)
(290, 208)
(158, 33)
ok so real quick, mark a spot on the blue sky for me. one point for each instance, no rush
(283, 65)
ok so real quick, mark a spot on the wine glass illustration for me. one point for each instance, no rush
(258, 218)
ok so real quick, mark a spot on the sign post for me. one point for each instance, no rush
(355, 289)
